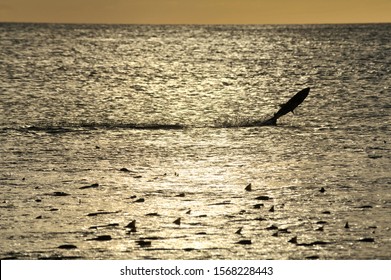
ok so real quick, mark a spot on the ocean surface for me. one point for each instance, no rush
(132, 142)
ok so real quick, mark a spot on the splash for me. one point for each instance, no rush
(236, 122)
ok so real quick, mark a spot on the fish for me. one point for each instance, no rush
(289, 106)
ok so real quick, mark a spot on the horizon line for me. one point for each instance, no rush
(116, 23)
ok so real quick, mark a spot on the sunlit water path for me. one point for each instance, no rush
(104, 125)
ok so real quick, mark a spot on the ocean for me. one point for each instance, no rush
(133, 142)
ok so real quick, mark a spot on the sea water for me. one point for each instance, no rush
(102, 125)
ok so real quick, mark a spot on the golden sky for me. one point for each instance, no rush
(196, 11)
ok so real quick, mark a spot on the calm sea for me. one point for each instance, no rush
(102, 125)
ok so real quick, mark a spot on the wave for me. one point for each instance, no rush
(68, 128)
(59, 128)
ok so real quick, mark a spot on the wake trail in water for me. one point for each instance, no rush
(58, 128)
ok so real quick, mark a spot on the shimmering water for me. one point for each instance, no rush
(157, 115)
